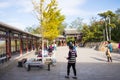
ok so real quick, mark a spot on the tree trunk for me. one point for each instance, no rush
(106, 31)
(109, 30)
(104, 35)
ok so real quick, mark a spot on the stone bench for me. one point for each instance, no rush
(35, 63)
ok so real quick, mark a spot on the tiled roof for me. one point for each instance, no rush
(61, 36)
(4, 26)
(71, 31)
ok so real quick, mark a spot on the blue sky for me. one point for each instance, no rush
(20, 14)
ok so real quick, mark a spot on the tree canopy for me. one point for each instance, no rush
(49, 17)
(52, 20)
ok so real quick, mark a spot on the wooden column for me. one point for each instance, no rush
(36, 44)
(15, 45)
(33, 43)
(7, 48)
(8, 45)
(30, 45)
(21, 47)
(27, 44)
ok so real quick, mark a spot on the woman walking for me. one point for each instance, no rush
(108, 51)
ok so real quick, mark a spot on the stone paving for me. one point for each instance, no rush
(91, 65)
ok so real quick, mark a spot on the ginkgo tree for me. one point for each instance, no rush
(52, 20)
(49, 17)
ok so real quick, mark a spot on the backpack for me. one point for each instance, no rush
(110, 47)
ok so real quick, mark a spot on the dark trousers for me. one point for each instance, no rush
(109, 59)
(73, 67)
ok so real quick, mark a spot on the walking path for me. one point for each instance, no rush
(91, 65)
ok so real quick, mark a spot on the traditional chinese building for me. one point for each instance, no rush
(23, 41)
(77, 35)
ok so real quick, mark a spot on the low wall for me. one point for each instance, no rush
(100, 46)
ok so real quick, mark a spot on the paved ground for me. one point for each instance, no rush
(91, 65)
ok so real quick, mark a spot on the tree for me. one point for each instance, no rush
(61, 28)
(77, 23)
(29, 29)
(108, 16)
(96, 29)
(52, 20)
(92, 32)
(49, 17)
(116, 31)
(86, 33)
(32, 29)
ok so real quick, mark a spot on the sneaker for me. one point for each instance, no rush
(66, 76)
(74, 77)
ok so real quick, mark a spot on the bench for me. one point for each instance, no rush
(21, 62)
(3, 58)
(32, 63)
(36, 63)
(28, 65)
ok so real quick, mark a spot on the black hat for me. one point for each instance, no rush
(70, 47)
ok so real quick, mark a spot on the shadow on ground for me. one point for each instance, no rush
(85, 71)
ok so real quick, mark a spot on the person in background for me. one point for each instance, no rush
(55, 46)
(71, 62)
(50, 50)
(74, 47)
(119, 47)
(108, 51)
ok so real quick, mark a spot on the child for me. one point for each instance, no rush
(71, 62)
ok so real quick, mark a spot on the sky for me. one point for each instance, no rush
(20, 13)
